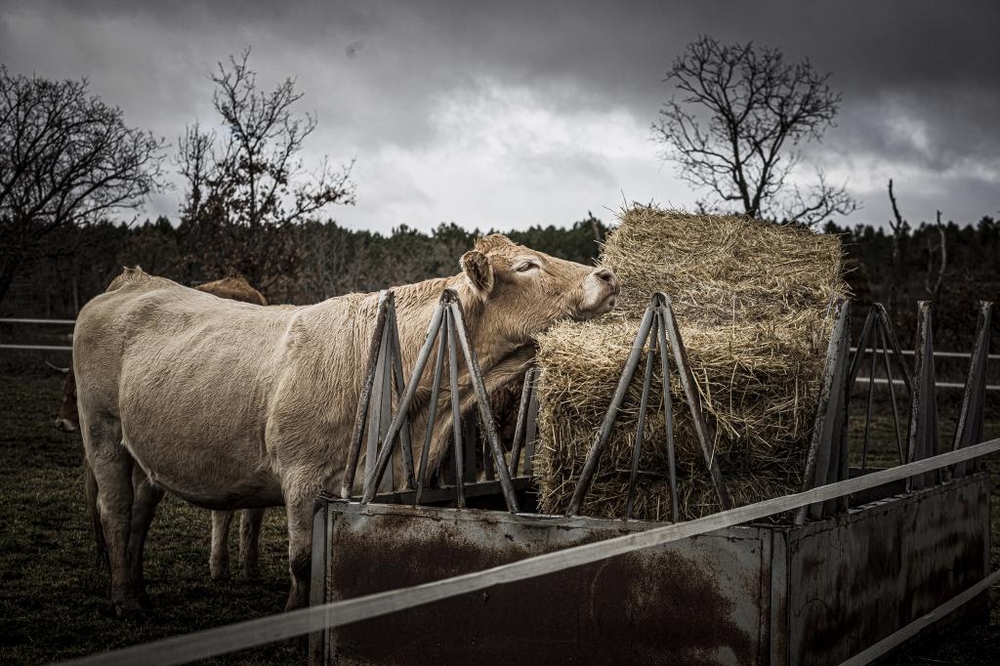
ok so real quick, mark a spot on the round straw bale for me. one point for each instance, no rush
(753, 305)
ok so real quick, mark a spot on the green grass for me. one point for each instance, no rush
(54, 603)
(53, 599)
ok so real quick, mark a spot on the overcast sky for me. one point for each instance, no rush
(536, 112)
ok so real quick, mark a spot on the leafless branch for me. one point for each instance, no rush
(65, 157)
(247, 185)
(933, 288)
(739, 114)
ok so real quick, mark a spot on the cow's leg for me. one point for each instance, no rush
(250, 522)
(299, 511)
(147, 497)
(218, 563)
(112, 465)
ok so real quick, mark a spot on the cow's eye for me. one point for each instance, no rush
(526, 266)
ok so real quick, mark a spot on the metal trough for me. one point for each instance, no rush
(760, 594)
(827, 583)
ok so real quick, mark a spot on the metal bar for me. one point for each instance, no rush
(830, 409)
(354, 453)
(456, 408)
(604, 433)
(668, 416)
(897, 354)
(522, 417)
(940, 385)
(641, 423)
(531, 434)
(922, 434)
(37, 347)
(969, 428)
(431, 417)
(13, 320)
(941, 354)
(383, 413)
(470, 441)
(317, 575)
(693, 399)
(489, 471)
(485, 413)
(404, 404)
(444, 495)
(892, 390)
(397, 371)
(863, 341)
(871, 395)
(840, 468)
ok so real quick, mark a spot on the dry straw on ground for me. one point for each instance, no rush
(753, 301)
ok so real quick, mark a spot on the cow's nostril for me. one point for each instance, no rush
(65, 426)
(606, 275)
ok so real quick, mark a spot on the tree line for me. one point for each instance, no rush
(331, 260)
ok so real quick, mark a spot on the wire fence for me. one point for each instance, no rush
(860, 379)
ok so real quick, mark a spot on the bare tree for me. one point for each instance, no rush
(66, 157)
(737, 126)
(934, 279)
(900, 228)
(246, 188)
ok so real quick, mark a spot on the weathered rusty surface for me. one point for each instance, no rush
(969, 429)
(857, 578)
(698, 601)
(922, 438)
(826, 461)
(813, 594)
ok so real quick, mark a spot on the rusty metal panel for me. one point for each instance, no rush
(856, 578)
(701, 600)
(814, 594)
(778, 599)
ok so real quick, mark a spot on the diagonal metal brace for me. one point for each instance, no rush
(969, 429)
(658, 318)
(447, 323)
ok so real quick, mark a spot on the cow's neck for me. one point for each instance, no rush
(415, 305)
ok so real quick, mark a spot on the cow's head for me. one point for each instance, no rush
(522, 291)
(234, 287)
(68, 418)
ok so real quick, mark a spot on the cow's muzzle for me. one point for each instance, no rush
(601, 291)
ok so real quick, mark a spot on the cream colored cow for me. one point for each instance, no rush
(229, 405)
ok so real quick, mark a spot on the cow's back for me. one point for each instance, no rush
(189, 376)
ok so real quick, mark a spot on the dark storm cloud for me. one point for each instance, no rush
(920, 79)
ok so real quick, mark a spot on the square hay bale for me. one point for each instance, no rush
(753, 301)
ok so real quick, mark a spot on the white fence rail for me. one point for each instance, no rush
(230, 638)
(860, 379)
(910, 352)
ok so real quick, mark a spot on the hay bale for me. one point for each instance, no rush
(753, 302)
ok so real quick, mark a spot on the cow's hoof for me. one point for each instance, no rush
(219, 569)
(130, 612)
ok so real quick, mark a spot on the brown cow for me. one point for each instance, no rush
(231, 406)
(235, 288)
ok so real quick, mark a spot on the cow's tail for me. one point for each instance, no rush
(90, 489)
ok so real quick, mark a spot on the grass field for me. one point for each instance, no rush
(54, 603)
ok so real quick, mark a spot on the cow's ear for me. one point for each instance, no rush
(478, 272)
